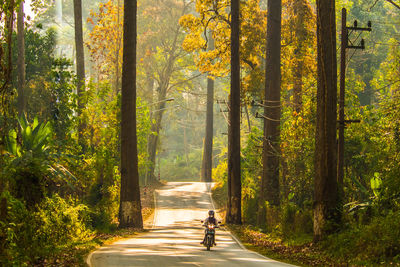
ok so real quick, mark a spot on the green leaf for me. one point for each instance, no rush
(23, 122)
(27, 136)
(11, 142)
(376, 183)
(360, 186)
(35, 122)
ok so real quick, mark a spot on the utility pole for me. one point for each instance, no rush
(345, 43)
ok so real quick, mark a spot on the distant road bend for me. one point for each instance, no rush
(176, 235)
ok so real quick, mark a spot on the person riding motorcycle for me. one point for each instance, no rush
(210, 220)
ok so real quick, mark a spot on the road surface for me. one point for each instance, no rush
(174, 239)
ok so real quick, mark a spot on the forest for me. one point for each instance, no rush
(291, 108)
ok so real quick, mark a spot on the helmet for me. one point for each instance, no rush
(211, 213)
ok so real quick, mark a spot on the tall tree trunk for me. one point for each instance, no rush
(5, 82)
(130, 207)
(117, 52)
(157, 115)
(163, 86)
(271, 142)
(325, 184)
(59, 13)
(185, 142)
(80, 63)
(206, 172)
(159, 111)
(234, 209)
(150, 88)
(21, 61)
(299, 8)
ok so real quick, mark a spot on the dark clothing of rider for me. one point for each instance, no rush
(210, 220)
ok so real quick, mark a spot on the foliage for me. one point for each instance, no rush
(39, 151)
(177, 169)
(375, 242)
(39, 53)
(214, 17)
(251, 175)
(99, 166)
(105, 38)
(56, 225)
(33, 166)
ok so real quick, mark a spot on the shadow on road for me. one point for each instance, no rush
(175, 238)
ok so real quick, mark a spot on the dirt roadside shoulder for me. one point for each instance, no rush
(148, 198)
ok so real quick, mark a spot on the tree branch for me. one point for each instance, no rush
(184, 81)
(393, 3)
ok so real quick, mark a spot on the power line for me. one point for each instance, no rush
(385, 23)
(388, 44)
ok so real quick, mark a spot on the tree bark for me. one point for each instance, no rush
(157, 114)
(271, 142)
(234, 209)
(117, 52)
(80, 62)
(150, 88)
(21, 61)
(130, 207)
(6, 79)
(325, 185)
(159, 111)
(206, 172)
(300, 9)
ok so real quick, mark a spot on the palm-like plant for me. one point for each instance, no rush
(32, 162)
(34, 138)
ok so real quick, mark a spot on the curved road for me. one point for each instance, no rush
(176, 234)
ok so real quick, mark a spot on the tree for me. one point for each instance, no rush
(80, 60)
(21, 60)
(107, 54)
(162, 63)
(234, 209)
(6, 19)
(326, 210)
(165, 60)
(206, 169)
(271, 140)
(214, 16)
(298, 55)
(130, 207)
(393, 3)
(303, 35)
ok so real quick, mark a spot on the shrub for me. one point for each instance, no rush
(377, 242)
(15, 232)
(30, 237)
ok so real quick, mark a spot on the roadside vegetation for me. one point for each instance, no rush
(61, 130)
(59, 186)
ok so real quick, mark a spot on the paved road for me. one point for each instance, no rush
(174, 239)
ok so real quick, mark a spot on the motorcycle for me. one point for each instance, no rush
(209, 240)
